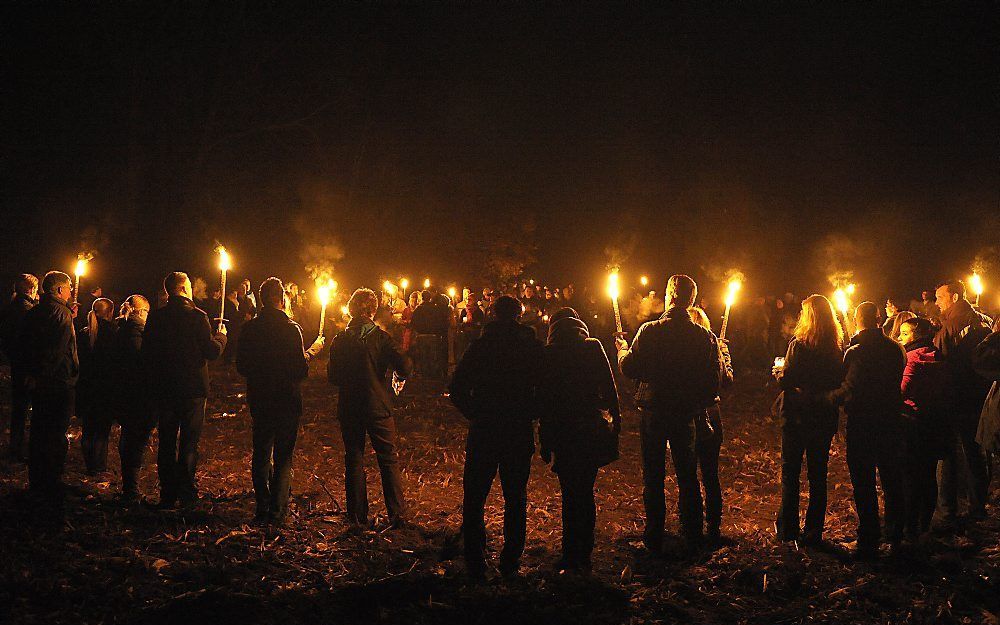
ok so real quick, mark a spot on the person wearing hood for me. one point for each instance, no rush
(579, 426)
(11, 320)
(708, 439)
(495, 387)
(361, 357)
(677, 363)
(134, 411)
(95, 389)
(962, 330)
(47, 349)
(871, 397)
(925, 380)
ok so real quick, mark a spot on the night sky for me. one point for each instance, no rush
(786, 141)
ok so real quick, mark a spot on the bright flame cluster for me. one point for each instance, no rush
(841, 300)
(81, 266)
(734, 287)
(225, 261)
(613, 290)
(324, 289)
(976, 284)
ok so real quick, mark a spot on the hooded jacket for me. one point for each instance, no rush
(361, 357)
(925, 381)
(47, 344)
(678, 363)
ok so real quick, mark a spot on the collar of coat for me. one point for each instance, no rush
(52, 299)
(179, 300)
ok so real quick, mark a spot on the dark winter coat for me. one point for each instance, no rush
(176, 347)
(962, 329)
(271, 356)
(874, 374)
(361, 358)
(497, 378)
(11, 322)
(47, 344)
(677, 362)
(810, 374)
(98, 369)
(431, 318)
(131, 383)
(575, 387)
(986, 360)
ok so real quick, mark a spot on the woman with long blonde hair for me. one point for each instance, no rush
(813, 367)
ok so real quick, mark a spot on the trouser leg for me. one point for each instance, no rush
(136, 428)
(891, 475)
(975, 465)
(514, 471)
(353, 433)
(707, 446)
(653, 440)
(47, 445)
(861, 463)
(578, 514)
(168, 424)
(20, 402)
(191, 422)
(480, 468)
(686, 468)
(260, 464)
(817, 468)
(792, 449)
(382, 432)
(281, 481)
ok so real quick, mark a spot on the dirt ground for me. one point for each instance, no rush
(100, 562)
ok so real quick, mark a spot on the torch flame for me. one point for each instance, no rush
(323, 291)
(225, 261)
(851, 288)
(613, 291)
(976, 283)
(644, 281)
(389, 287)
(452, 292)
(733, 288)
(841, 301)
(81, 266)
(404, 283)
(427, 283)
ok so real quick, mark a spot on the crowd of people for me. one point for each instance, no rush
(918, 387)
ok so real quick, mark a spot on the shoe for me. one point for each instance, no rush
(476, 570)
(867, 553)
(653, 544)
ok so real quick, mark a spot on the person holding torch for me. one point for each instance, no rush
(678, 366)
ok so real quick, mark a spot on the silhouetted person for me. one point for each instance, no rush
(962, 329)
(708, 439)
(677, 364)
(494, 386)
(272, 357)
(361, 358)
(580, 421)
(430, 324)
(925, 381)
(135, 411)
(872, 399)
(95, 390)
(814, 366)
(47, 348)
(11, 322)
(177, 344)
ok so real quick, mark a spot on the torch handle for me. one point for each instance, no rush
(725, 323)
(322, 319)
(222, 302)
(618, 315)
(76, 289)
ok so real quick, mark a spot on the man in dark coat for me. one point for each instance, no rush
(48, 358)
(95, 390)
(11, 321)
(495, 387)
(677, 363)
(962, 330)
(872, 399)
(134, 408)
(431, 322)
(361, 356)
(177, 344)
(271, 356)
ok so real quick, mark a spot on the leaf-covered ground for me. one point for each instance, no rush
(99, 562)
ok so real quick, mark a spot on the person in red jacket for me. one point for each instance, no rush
(925, 380)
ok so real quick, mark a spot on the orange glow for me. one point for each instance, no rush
(427, 283)
(81, 267)
(613, 290)
(976, 284)
(225, 261)
(734, 287)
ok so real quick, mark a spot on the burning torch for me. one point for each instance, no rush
(323, 292)
(613, 293)
(403, 284)
(734, 286)
(977, 286)
(79, 271)
(225, 264)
